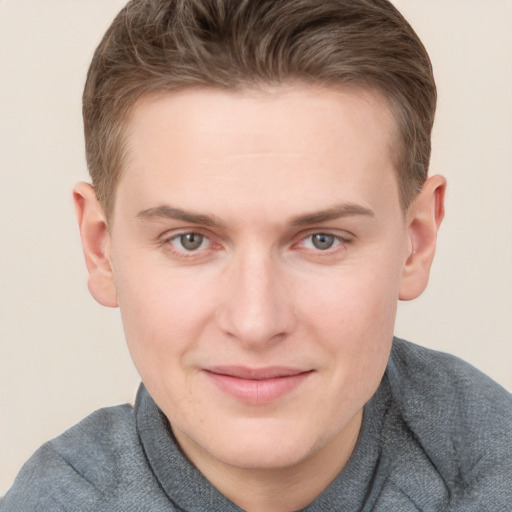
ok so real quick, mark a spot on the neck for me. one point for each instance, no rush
(279, 489)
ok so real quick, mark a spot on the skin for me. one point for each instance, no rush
(255, 175)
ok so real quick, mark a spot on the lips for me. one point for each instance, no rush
(256, 385)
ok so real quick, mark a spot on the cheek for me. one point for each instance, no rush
(162, 315)
(165, 317)
(353, 318)
(354, 301)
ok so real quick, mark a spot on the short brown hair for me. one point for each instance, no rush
(165, 45)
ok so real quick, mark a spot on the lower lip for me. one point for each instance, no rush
(253, 391)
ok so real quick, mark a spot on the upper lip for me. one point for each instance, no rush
(244, 372)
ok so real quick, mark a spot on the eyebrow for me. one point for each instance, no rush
(168, 212)
(336, 212)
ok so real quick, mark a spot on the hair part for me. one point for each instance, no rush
(155, 46)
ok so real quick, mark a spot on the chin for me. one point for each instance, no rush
(263, 458)
(265, 446)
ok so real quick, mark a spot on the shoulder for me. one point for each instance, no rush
(84, 468)
(461, 419)
(440, 380)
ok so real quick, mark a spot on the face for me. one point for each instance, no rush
(257, 248)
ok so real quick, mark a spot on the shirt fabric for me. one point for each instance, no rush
(436, 436)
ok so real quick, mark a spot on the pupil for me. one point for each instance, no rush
(323, 242)
(191, 241)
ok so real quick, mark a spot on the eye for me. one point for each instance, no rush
(189, 242)
(321, 241)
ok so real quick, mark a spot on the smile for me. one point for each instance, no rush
(257, 386)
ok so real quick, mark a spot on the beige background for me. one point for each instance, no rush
(62, 355)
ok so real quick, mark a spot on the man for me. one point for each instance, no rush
(260, 202)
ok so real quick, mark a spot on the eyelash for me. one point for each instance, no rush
(336, 240)
(339, 243)
(184, 253)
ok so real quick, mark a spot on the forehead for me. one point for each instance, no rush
(257, 142)
(310, 110)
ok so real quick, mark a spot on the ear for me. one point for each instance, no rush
(95, 243)
(423, 220)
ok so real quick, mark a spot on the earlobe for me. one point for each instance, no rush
(95, 243)
(424, 218)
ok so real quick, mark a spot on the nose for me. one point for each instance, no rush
(257, 308)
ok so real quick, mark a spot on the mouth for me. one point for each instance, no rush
(257, 385)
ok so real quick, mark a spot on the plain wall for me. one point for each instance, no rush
(62, 355)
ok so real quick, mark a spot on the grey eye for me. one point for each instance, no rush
(322, 241)
(191, 241)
